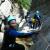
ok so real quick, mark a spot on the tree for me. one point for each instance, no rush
(24, 3)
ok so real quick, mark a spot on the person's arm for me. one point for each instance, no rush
(16, 34)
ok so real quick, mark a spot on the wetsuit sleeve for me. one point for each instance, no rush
(16, 34)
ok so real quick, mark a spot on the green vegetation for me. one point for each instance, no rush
(24, 3)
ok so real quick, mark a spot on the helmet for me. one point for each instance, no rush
(10, 18)
(37, 15)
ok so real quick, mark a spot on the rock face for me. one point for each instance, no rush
(43, 42)
(5, 8)
(8, 8)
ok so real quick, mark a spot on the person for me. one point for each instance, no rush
(10, 35)
(37, 16)
(37, 25)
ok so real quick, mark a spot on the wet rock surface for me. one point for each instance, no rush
(43, 42)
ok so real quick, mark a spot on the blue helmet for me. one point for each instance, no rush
(10, 18)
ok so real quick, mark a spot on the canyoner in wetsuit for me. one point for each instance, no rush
(11, 34)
